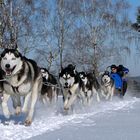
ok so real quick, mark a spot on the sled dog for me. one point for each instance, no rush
(108, 85)
(89, 87)
(23, 78)
(70, 83)
(49, 91)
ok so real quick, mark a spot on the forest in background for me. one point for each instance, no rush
(87, 33)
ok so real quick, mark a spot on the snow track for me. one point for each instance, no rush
(51, 118)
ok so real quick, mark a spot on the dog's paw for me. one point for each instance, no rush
(98, 100)
(27, 122)
(107, 97)
(18, 110)
(66, 108)
(7, 115)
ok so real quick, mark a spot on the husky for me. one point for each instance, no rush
(108, 85)
(49, 91)
(22, 78)
(70, 83)
(90, 87)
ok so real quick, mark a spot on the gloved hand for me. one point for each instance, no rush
(119, 89)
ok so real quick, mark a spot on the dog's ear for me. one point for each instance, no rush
(16, 47)
(42, 69)
(60, 71)
(46, 70)
(74, 69)
(17, 54)
(86, 73)
(106, 72)
(71, 66)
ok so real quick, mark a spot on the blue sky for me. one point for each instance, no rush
(134, 4)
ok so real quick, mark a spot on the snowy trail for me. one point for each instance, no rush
(50, 119)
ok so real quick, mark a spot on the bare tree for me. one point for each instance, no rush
(7, 28)
(58, 32)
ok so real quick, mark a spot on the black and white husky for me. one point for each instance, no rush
(22, 78)
(108, 85)
(49, 91)
(90, 87)
(70, 83)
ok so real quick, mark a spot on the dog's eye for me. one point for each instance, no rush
(13, 58)
(4, 58)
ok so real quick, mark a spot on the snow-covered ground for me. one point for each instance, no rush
(115, 120)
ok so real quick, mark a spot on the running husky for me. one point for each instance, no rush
(23, 78)
(90, 87)
(108, 85)
(49, 91)
(70, 83)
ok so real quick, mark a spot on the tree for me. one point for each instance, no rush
(88, 33)
(136, 25)
(138, 16)
(97, 24)
(7, 28)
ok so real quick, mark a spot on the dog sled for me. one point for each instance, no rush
(122, 72)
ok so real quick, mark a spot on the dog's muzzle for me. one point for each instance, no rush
(66, 85)
(105, 81)
(8, 70)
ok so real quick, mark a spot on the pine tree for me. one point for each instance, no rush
(138, 16)
(136, 25)
(138, 19)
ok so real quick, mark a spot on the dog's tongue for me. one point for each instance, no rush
(8, 72)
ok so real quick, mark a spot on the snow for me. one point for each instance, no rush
(117, 119)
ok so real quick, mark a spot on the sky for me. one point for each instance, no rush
(134, 4)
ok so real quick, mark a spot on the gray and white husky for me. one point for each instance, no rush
(22, 78)
(49, 91)
(70, 83)
(108, 85)
(90, 86)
